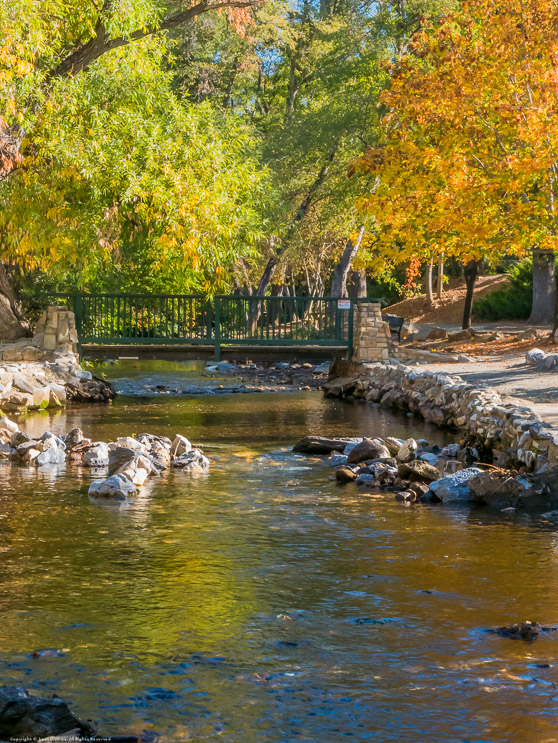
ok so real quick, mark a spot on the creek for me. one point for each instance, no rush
(263, 602)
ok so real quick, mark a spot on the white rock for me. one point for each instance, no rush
(98, 452)
(534, 356)
(407, 451)
(131, 443)
(180, 446)
(50, 440)
(54, 455)
(7, 425)
(118, 487)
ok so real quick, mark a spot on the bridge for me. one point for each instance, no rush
(168, 326)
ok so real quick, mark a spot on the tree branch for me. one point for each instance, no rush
(101, 43)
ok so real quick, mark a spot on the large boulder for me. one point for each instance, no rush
(455, 488)
(26, 717)
(96, 455)
(418, 471)
(322, 445)
(137, 469)
(52, 455)
(504, 490)
(118, 487)
(368, 449)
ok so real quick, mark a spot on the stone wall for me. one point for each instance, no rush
(371, 335)
(515, 434)
(55, 334)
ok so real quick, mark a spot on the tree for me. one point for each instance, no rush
(470, 135)
(43, 55)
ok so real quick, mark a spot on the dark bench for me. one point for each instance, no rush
(395, 325)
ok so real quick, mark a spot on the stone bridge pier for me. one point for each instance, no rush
(371, 335)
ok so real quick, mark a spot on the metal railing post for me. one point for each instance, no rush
(217, 338)
(350, 330)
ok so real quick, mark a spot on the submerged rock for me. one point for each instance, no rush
(25, 716)
(521, 631)
(118, 487)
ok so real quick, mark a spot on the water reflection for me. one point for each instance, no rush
(265, 603)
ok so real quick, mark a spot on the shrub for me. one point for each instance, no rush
(511, 302)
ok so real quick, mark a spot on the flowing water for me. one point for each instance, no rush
(265, 603)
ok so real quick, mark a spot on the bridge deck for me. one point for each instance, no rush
(228, 352)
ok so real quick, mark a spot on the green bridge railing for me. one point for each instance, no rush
(220, 320)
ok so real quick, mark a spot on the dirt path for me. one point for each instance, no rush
(514, 380)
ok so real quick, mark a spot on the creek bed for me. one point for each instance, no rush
(263, 602)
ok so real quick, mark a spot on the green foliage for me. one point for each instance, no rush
(512, 302)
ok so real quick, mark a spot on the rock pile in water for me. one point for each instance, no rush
(129, 461)
(419, 472)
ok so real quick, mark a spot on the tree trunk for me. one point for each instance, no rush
(471, 272)
(356, 286)
(12, 323)
(341, 270)
(428, 283)
(440, 278)
(544, 288)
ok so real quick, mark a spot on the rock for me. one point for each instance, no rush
(535, 356)
(367, 479)
(339, 387)
(345, 474)
(224, 366)
(384, 473)
(18, 438)
(51, 441)
(322, 368)
(284, 365)
(137, 469)
(468, 455)
(180, 446)
(406, 496)
(551, 361)
(74, 438)
(128, 442)
(437, 334)
(451, 450)
(118, 487)
(94, 390)
(461, 335)
(520, 631)
(464, 359)
(26, 445)
(393, 445)
(192, 461)
(7, 425)
(432, 459)
(30, 455)
(419, 488)
(26, 717)
(321, 445)
(455, 488)
(407, 451)
(53, 455)
(368, 449)
(418, 471)
(96, 454)
(504, 490)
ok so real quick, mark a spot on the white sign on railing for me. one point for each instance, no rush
(343, 304)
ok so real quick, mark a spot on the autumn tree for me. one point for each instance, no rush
(468, 163)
